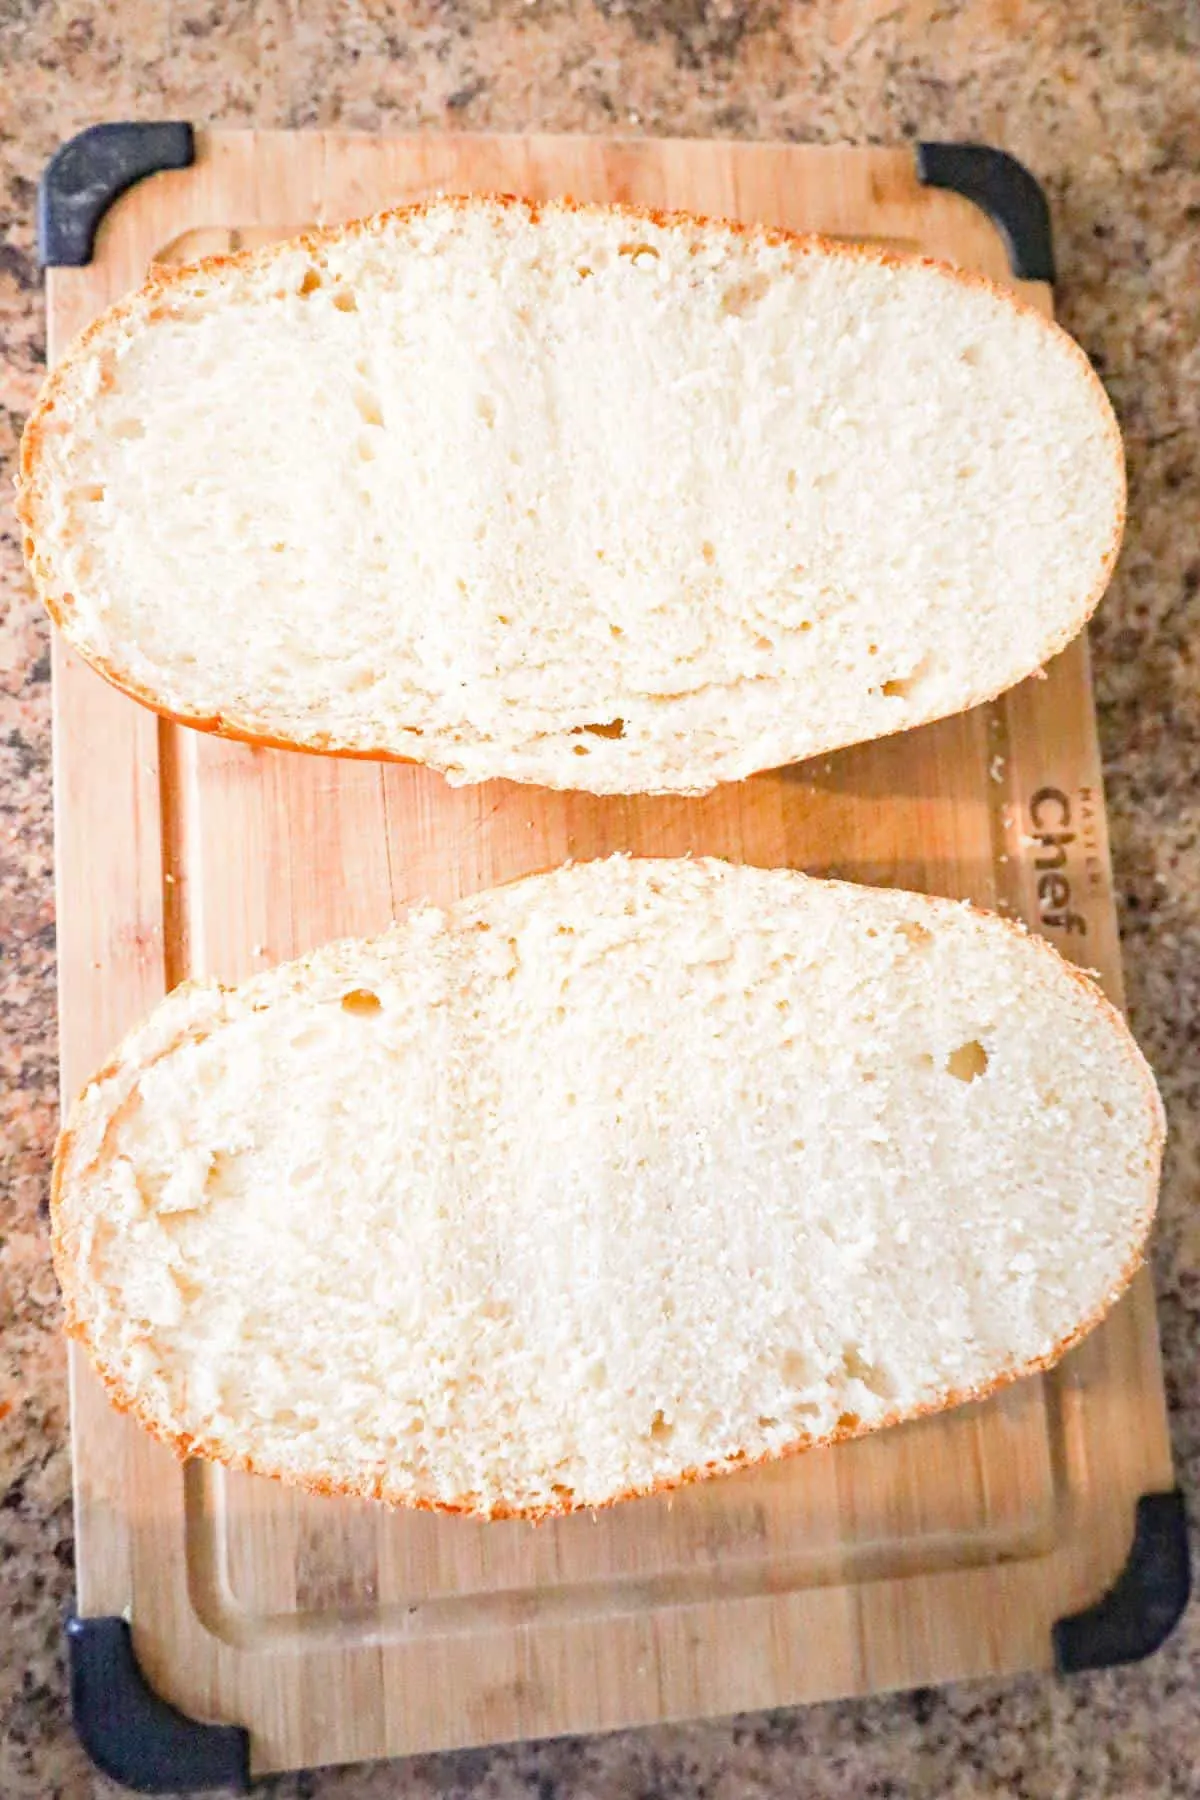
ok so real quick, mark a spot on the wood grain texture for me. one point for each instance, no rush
(336, 1630)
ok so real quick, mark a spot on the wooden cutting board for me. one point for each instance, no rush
(333, 1630)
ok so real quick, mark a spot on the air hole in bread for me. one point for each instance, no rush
(369, 409)
(968, 1062)
(848, 1421)
(767, 1421)
(189, 1291)
(485, 406)
(915, 934)
(91, 494)
(857, 1368)
(903, 687)
(366, 450)
(972, 356)
(311, 282)
(794, 1365)
(743, 296)
(581, 749)
(924, 1060)
(128, 428)
(708, 552)
(661, 1430)
(361, 1001)
(640, 255)
(615, 728)
(221, 1166)
(792, 481)
(346, 300)
(290, 1420)
(583, 272)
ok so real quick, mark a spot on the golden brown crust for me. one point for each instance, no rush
(376, 1488)
(163, 283)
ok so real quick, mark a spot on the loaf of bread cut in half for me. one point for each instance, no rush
(598, 1183)
(572, 495)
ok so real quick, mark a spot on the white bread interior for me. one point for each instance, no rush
(601, 1181)
(572, 495)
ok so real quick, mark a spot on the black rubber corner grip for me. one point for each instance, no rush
(1146, 1601)
(1004, 189)
(87, 173)
(135, 1737)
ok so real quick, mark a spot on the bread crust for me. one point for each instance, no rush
(62, 382)
(849, 1426)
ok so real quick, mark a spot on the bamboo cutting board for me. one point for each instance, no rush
(334, 1630)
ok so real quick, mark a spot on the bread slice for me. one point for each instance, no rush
(603, 1181)
(573, 495)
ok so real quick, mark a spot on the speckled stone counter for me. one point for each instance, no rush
(1099, 98)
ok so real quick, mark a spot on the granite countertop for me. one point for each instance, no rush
(1100, 100)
